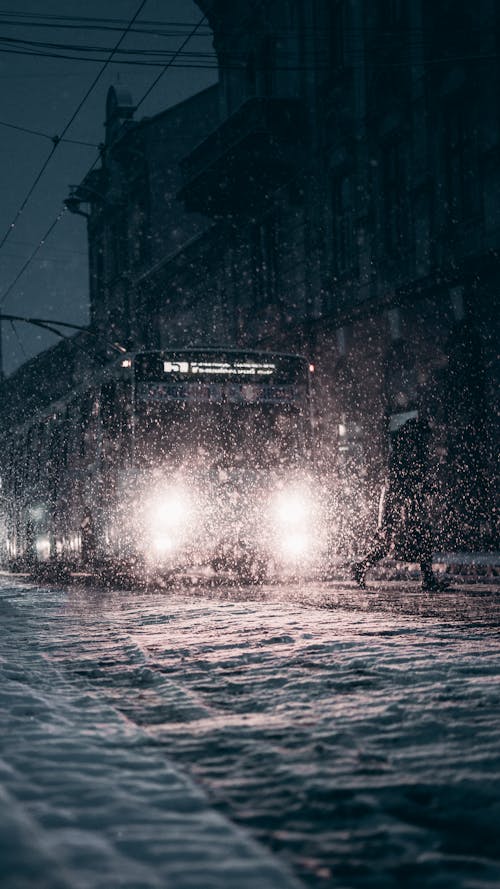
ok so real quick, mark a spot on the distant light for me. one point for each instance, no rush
(311, 368)
(127, 362)
(42, 545)
(342, 429)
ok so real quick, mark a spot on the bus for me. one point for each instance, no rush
(173, 461)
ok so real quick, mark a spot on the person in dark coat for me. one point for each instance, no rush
(403, 526)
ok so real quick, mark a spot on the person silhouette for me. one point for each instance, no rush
(403, 523)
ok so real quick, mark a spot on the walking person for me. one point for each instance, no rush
(403, 525)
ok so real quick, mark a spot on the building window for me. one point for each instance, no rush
(267, 64)
(342, 224)
(336, 35)
(393, 197)
(118, 253)
(401, 378)
(394, 322)
(459, 163)
(96, 270)
(250, 75)
(391, 13)
(263, 251)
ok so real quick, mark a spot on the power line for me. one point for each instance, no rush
(70, 250)
(63, 211)
(12, 126)
(239, 65)
(83, 21)
(18, 338)
(85, 47)
(37, 45)
(56, 143)
(32, 256)
(102, 23)
(136, 62)
(172, 60)
(60, 215)
(52, 325)
(156, 29)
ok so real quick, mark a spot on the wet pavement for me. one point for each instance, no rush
(354, 737)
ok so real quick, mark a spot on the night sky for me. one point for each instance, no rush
(41, 93)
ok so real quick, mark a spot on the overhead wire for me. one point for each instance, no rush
(80, 47)
(63, 211)
(171, 62)
(18, 338)
(84, 21)
(60, 215)
(56, 143)
(104, 23)
(32, 256)
(54, 327)
(12, 126)
(156, 29)
(196, 61)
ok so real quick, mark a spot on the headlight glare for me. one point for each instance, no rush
(292, 508)
(295, 546)
(170, 509)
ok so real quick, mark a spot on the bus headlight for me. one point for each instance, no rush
(168, 512)
(162, 544)
(292, 508)
(295, 545)
(166, 517)
(293, 512)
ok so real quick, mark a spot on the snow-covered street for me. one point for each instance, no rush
(225, 739)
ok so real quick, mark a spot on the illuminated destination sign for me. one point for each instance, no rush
(220, 368)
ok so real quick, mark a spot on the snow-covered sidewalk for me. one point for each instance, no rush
(455, 567)
(86, 798)
(355, 744)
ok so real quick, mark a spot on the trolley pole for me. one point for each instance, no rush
(53, 326)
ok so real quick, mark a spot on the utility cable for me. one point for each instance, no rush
(19, 341)
(62, 212)
(53, 325)
(307, 67)
(48, 325)
(13, 126)
(95, 22)
(171, 61)
(32, 256)
(57, 142)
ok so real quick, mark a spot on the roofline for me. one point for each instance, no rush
(219, 350)
(146, 121)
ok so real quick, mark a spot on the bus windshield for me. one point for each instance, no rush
(234, 409)
(256, 436)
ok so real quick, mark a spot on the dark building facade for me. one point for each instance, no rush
(135, 220)
(359, 145)
(338, 194)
